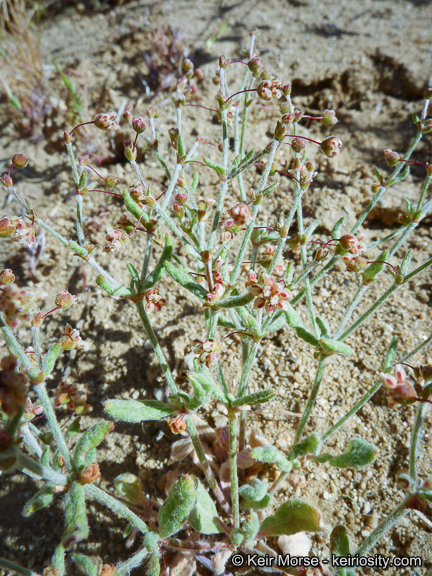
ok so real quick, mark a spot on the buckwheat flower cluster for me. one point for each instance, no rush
(153, 300)
(353, 243)
(208, 352)
(65, 300)
(71, 339)
(117, 240)
(400, 389)
(215, 296)
(17, 230)
(69, 395)
(106, 121)
(13, 389)
(235, 219)
(268, 293)
(267, 258)
(355, 263)
(17, 304)
(268, 89)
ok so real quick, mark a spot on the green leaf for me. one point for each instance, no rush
(270, 455)
(339, 546)
(183, 278)
(260, 505)
(370, 273)
(391, 354)
(256, 490)
(323, 326)
(85, 563)
(58, 559)
(337, 228)
(217, 167)
(131, 205)
(76, 525)
(178, 505)
(73, 429)
(291, 517)
(359, 454)
(40, 499)
(90, 439)
(331, 347)
(235, 301)
(134, 411)
(293, 318)
(251, 526)
(204, 378)
(50, 358)
(277, 323)
(134, 273)
(204, 513)
(256, 398)
(130, 488)
(153, 565)
(202, 392)
(310, 445)
(157, 273)
(307, 336)
(406, 262)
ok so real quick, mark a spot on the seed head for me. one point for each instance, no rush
(106, 121)
(19, 160)
(331, 146)
(139, 124)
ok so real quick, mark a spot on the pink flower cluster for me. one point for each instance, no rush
(353, 244)
(268, 293)
(234, 219)
(69, 395)
(209, 352)
(117, 240)
(17, 304)
(153, 301)
(13, 389)
(106, 121)
(400, 389)
(266, 260)
(17, 230)
(71, 339)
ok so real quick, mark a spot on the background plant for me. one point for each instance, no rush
(216, 238)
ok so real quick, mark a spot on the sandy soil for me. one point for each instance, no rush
(368, 60)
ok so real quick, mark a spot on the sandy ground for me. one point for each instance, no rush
(368, 60)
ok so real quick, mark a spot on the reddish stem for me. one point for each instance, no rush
(106, 192)
(50, 312)
(404, 364)
(196, 162)
(238, 62)
(241, 92)
(232, 334)
(10, 168)
(414, 162)
(201, 106)
(160, 196)
(287, 173)
(135, 141)
(382, 262)
(96, 172)
(265, 228)
(210, 144)
(301, 138)
(139, 220)
(313, 117)
(265, 108)
(79, 125)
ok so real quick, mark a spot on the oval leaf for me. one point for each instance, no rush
(291, 517)
(204, 512)
(134, 411)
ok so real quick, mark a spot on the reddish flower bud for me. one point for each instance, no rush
(329, 118)
(199, 74)
(264, 90)
(355, 264)
(130, 151)
(84, 160)
(65, 300)
(298, 145)
(90, 473)
(19, 160)
(392, 158)
(117, 240)
(181, 198)
(208, 352)
(67, 137)
(177, 425)
(427, 94)
(153, 300)
(286, 89)
(111, 180)
(179, 211)
(255, 67)
(6, 180)
(152, 112)
(321, 254)
(280, 131)
(224, 62)
(187, 65)
(6, 276)
(331, 146)
(71, 339)
(106, 121)
(139, 124)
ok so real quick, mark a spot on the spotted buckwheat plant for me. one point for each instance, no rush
(230, 259)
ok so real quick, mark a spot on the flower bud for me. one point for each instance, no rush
(139, 124)
(427, 94)
(65, 300)
(67, 137)
(224, 62)
(177, 425)
(392, 158)
(127, 116)
(106, 121)
(321, 254)
(6, 180)
(130, 151)
(181, 198)
(329, 118)
(264, 90)
(310, 166)
(152, 112)
(6, 276)
(19, 160)
(331, 146)
(174, 137)
(71, 339)
(117, 240)
(198, 74)
(298, 145)
(286, 89)
(84, 160)
(287, 118)
(179, 211)
(90, 473)
(111, 180)
(280, 131)
(355, 264)
(254, 66)
(187, 65)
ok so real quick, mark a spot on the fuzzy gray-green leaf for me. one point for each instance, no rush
(204, 513)
(291, 517)
(178, 505)
(134, 411)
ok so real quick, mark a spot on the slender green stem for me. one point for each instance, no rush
(390, 236)
(31, 441)
(13, 422)
(424, 189)
(418, 270)
(221, 378)
(79, 220)
(233, 468)
(242, 391)
(53, 424)
(303, 252)
(69, 148)
(116, 506)
(249, 230)
(318, 378)
(413, 453)
(257, 156)
(138, 173)
(25, 463)
(16, 350)
(353, 305)
(205, 465)
(419, 347)
(147, 256)
(171, 187)
(214, 314)
(36, 345)
(132, 562)
(156, 347)
(162, 163)
(369, 312)
(384, 526)
(16, 568)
